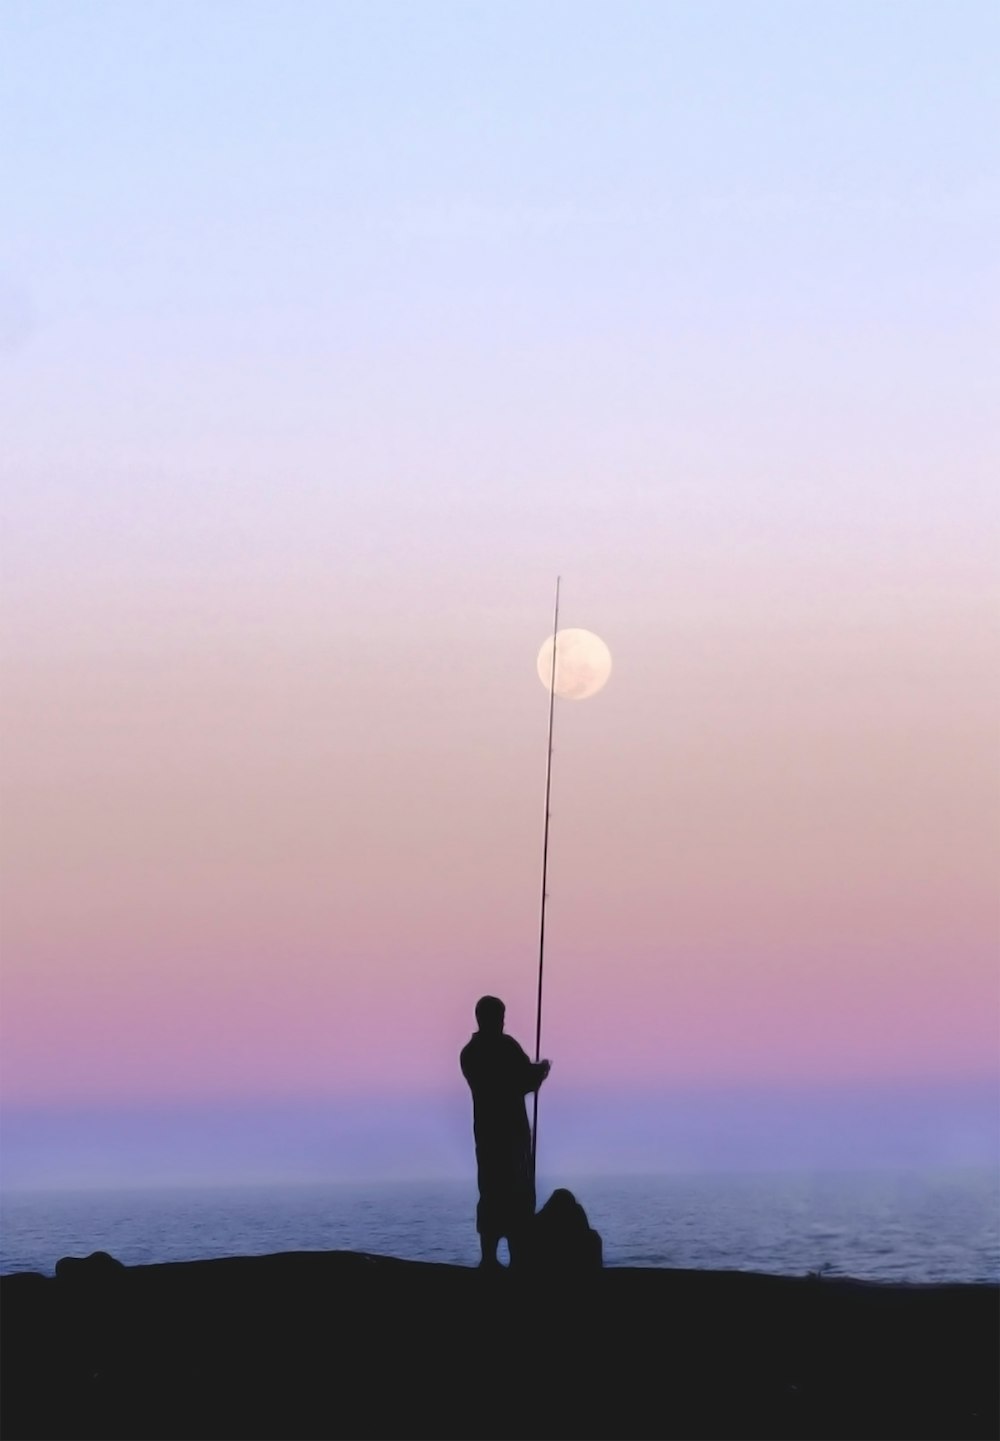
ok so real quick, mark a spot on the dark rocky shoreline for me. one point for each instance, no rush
(335, 1344)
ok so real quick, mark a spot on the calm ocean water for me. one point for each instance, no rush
(942, 1226)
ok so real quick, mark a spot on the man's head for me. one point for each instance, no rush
(489, 1014)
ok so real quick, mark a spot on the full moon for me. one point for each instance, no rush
(583, 664)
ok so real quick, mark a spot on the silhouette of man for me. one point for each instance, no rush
(500, 1075)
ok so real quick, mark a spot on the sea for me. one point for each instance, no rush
(941, 1226)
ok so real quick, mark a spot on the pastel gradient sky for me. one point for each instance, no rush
(329, 334)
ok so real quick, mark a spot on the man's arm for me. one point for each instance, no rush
(531, 1075)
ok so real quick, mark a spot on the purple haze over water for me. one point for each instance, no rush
(890, 1226)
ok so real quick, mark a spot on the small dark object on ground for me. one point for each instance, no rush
(94, 1270)
(560, 1240)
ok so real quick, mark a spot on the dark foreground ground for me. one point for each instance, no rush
(340, 1345)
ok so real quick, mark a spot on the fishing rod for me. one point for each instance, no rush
(545, 873)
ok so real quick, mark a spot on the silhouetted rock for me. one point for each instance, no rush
(97, 1269)
(560, 1240)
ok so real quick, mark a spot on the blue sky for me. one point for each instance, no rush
(329, 334)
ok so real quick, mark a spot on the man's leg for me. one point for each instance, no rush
(489, 1236)
(519, 1242)
(488, 1244)
(521, 1215)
